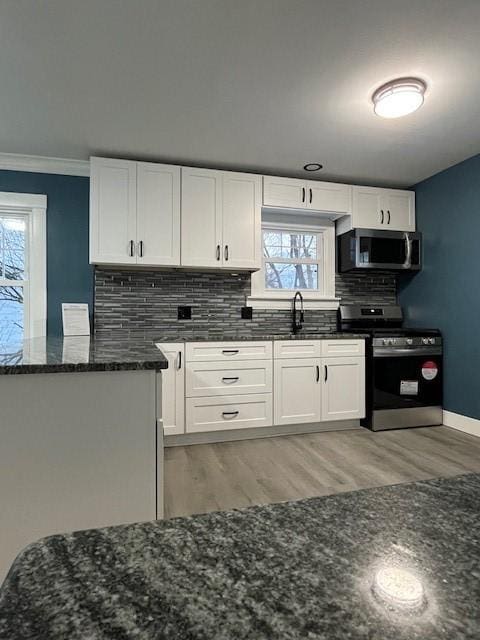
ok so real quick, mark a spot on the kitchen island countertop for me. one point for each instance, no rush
(285, 571)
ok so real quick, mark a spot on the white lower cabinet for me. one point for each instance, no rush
(343, 388)
(219, 413)
(172, 391)
(219, 386)
(297, 390)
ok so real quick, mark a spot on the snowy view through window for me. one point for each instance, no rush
(12, 277)
(291, 260)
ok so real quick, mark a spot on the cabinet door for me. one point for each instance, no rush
(241, 220)
(113, 214)
(297, 393)
(400, 210)
(158, 214)
(343, 388)
(173, 389)
(201, 218)
(329, 196)
(284, 193)
(367, 208)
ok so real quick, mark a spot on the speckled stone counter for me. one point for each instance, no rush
(225, 337)
(293, 570)
(77, 354)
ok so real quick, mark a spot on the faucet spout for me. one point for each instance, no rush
(298, 316)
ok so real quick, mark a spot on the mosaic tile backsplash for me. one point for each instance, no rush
(136, 302)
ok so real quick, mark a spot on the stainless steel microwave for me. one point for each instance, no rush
(378, 249)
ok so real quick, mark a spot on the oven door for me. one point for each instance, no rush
(407, 390)
(395, 250)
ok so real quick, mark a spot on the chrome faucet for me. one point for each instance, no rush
(296, 326)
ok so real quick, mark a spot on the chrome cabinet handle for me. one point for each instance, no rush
(303, 194)
(326, 373)
(311, 196)
(179, 362)
(226, 252)
(228, 380)
(230, 352)
(140, 249)
(382, 217)
(218, 252)
(230, 414)
(388, 221)
(318, 372)
(131, 252)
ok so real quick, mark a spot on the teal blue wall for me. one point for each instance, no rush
(446, 293)
(69, 276)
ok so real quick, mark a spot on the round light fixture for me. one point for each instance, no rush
(399, 97)
(313, 166)
(398, 588)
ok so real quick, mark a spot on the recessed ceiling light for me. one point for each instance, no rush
(313, 166)
(399, 97)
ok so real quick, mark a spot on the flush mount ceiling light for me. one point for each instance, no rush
(313, 166)
(399, 97)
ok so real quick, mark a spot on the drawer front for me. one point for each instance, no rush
(297, 349)
(228, 412)
(224, 379)
(343, 348)
(227, 351)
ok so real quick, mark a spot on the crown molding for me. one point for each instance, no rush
(44, 164)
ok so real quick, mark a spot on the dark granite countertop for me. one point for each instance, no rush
(285, 571)
(77, 354)
(225, 337)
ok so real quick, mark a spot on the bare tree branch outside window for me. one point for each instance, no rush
(12, 277)
(290, 259)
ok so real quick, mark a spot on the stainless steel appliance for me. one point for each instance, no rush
(379, 249)
(404, 367)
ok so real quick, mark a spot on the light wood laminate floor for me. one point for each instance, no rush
(210, 477)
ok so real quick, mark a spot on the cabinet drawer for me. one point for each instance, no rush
(297, 349)
(227, 351)
(343, 348)
(223, 378)
(229, 412)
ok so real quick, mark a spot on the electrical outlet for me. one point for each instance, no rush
(184, 313)
(247, 313)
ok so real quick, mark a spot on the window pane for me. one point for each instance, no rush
(12, 248)
(11, 314)
(281, 244)
(279, 275)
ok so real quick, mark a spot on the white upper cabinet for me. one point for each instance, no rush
(134, 213)
(375, 208)
(307, 195)
(201, 217)
(241, 220)
(158, 214)
(113, 211)
(221, 219)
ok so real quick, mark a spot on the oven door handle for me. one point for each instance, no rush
(394, 352)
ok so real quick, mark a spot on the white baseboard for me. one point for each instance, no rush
(462, 423)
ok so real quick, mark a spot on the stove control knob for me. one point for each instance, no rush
(431, 340)
(385, 342)
(409, 341)
(424, 340)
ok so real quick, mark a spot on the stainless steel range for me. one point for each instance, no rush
(404, 381)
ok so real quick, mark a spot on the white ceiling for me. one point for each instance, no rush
(264, 85)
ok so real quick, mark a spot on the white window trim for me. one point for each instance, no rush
(262, 298)
(34, 206)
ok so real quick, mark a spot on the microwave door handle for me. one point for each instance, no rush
(408, 251)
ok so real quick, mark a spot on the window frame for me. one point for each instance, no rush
(321, 298)
(33, 207)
